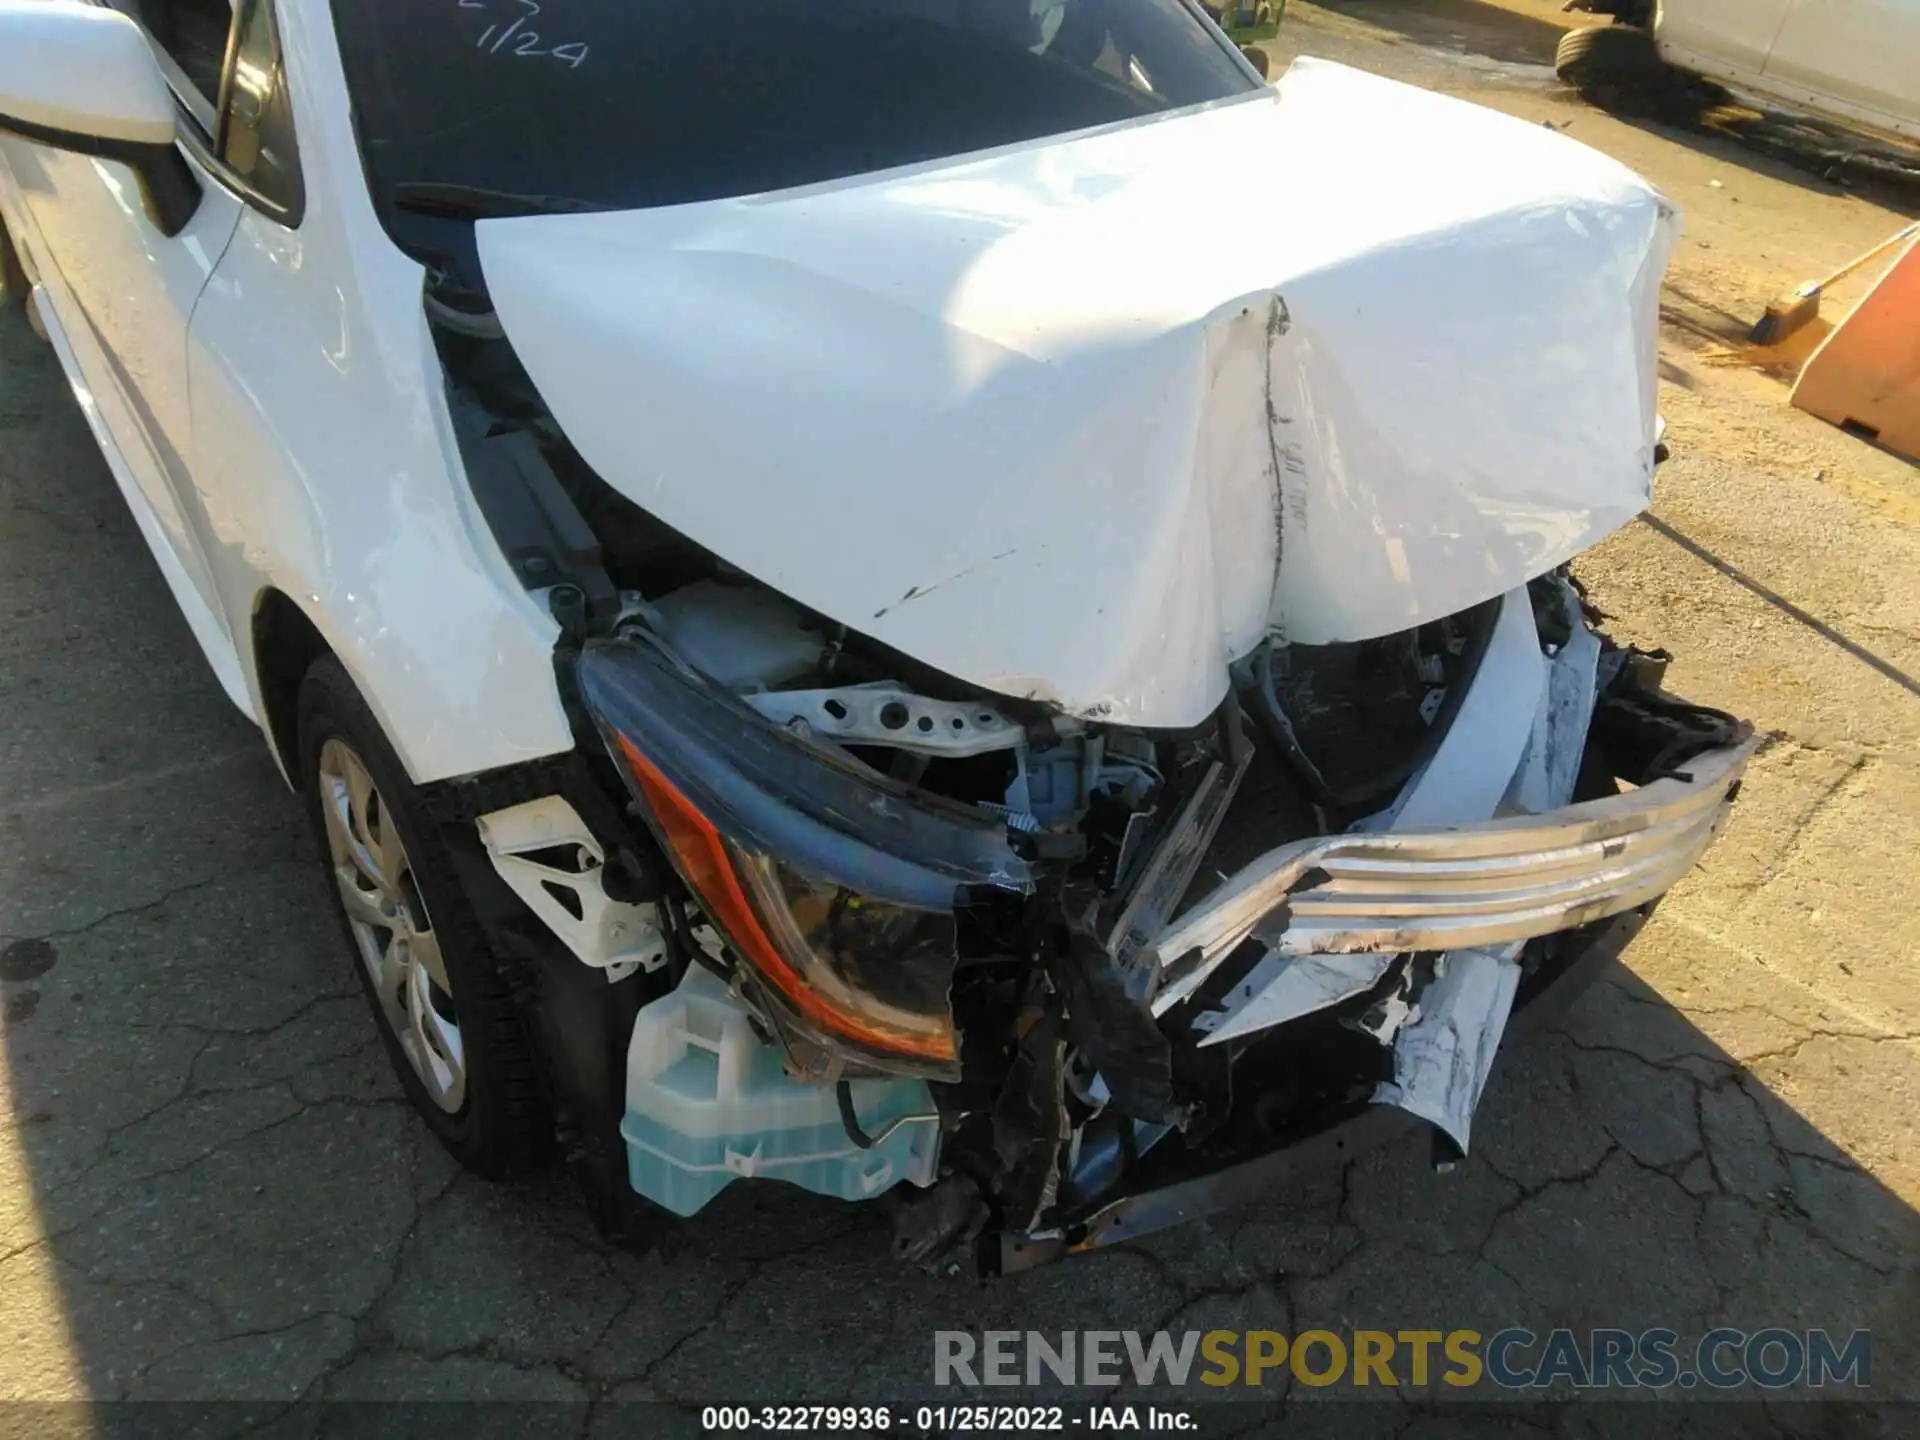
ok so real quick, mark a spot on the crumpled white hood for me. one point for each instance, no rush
(1081, 419)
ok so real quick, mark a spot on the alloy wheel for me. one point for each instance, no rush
(392, 932)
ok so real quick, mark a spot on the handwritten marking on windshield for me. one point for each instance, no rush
(526, 41)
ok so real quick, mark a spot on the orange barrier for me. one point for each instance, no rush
(1865, 376)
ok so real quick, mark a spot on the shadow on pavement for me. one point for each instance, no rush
(1460, 25)
(211, 1190)
(1782, 604)
(1803, 150)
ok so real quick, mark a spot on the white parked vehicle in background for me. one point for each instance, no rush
(1855, 61)
(830, 626)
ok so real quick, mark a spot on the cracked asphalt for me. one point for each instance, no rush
(210, 1188)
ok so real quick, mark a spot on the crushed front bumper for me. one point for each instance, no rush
(1470, 885)
(1486, 891)
(1542, 997)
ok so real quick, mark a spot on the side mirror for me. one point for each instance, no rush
(82, 78)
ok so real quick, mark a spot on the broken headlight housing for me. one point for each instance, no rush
(835, 887)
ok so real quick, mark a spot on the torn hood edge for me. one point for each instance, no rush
(1081, 420)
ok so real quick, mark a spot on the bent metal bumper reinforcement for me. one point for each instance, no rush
(1501, 880)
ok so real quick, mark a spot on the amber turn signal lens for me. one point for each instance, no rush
(808, 981)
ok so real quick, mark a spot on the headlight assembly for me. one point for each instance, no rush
(837, 887)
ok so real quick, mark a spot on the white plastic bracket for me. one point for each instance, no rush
(549, 858)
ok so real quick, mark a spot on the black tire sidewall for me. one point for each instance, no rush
(1609, 55)
(13, 275)
(502, 1127)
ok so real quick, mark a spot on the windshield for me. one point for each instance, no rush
(632, 103)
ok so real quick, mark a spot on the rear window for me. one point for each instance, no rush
(633, 103)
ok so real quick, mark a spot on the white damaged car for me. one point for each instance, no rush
(943, 600)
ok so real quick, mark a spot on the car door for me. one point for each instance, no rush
(1858, 53)
(1730, 39)
(122, 293)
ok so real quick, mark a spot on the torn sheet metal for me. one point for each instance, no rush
(1285, 987)
(1551, 766)
(1144, 912)
(1065, 460)
(1441, 1057)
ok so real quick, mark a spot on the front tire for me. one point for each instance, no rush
(13, 277)
(440, 996)
(1609, 57)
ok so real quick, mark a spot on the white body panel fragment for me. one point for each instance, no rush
(1443, 1054)
(1081, 419)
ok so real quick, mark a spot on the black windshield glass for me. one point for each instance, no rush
(632, 103)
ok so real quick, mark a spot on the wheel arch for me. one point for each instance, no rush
(286, 643)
